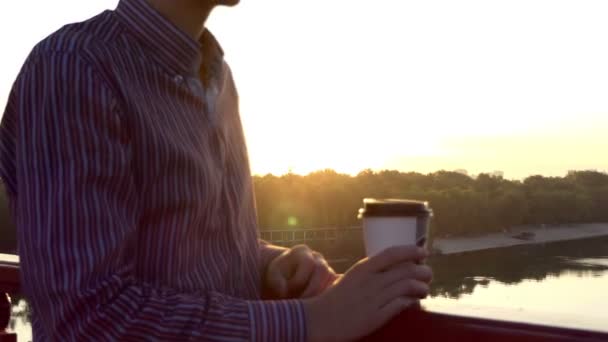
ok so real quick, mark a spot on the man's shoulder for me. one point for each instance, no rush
(85, 39)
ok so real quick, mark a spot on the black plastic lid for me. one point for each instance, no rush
(394, 207)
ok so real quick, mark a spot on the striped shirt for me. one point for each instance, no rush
(124, 159)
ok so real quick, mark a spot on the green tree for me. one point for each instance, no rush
(463, 205)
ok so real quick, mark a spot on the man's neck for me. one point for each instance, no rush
(188, 15)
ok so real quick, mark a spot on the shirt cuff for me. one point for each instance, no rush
(279, 320)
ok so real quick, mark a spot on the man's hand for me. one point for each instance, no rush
(368, 295)
(298, 272)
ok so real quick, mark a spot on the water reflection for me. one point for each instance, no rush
(456, 275)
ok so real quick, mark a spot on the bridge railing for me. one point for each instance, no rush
(413, 324)
(292, 236)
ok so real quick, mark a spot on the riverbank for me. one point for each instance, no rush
(520, 236)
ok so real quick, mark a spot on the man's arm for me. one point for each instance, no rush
(77, 214)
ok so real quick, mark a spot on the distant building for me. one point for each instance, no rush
(462, 172)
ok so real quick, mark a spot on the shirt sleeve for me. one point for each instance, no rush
(77, 213)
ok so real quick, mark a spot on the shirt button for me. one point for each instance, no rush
(178, 79)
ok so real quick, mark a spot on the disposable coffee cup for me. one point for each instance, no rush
(394, 222)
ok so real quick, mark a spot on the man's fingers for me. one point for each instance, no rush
(316, 282)
(404, 271)
(409, 288)
(277, 284)
(323, 277)
(290, 261)
(303, 272)
(333, 276)
(286, 265)
(392, 256)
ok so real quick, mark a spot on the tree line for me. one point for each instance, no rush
(463, 205)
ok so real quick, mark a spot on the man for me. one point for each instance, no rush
(124, 158)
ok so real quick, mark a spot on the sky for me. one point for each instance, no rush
(519, 86)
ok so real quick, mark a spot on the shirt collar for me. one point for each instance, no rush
(173, 46)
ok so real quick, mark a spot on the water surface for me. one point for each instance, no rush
(564, 283)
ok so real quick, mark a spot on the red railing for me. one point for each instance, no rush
(420, 325)
(415, 324)
(9, 283)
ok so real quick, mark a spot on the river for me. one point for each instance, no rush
(560, 283)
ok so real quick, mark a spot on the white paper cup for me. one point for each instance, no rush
(394, 222)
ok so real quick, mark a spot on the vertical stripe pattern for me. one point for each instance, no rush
(124, 159)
